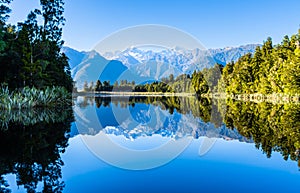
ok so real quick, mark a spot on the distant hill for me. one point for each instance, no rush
(144, 65)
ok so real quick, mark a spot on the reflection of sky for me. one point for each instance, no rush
(230, 166)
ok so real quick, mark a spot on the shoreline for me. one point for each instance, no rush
(257, 98)
(108, 93)
(276, 98)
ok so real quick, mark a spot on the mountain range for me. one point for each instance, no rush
(142, 65)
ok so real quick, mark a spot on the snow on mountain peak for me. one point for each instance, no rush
(138, 58)
(156, 63)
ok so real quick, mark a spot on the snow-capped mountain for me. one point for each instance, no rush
(225, 55)
(176, 60)
(141, 64)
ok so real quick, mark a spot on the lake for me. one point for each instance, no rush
(151, 144)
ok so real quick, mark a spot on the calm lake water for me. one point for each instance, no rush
(152, 144)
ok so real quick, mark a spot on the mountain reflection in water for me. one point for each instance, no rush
(272, 127)
(32, 142)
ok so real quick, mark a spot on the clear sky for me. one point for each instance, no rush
(215, 23)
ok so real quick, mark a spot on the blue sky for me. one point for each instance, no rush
(215, 23)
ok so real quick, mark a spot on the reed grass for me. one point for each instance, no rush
(27, 98)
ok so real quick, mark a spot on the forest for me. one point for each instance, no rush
(199, 82)
(30, 56)
(272, 69)
(30, 51)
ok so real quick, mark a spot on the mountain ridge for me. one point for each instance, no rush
(140, 65)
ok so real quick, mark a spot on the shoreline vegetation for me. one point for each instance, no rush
(34, 73)
(275, 98)
(128, 93)
(271, 74)
(33, 62)
(28, 98)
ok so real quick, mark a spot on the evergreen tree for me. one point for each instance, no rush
(31, 54)
(98, 86)
(85, 86)
(199, 83)
(272, 69)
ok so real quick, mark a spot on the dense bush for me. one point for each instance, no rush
(32, 98)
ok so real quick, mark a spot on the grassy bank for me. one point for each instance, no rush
(276, 98)
(27, 98)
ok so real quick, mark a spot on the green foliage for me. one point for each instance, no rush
(4, 11)
(30, 53)
(207, 80)
(199, 83)
(182, 83)
(33, 98)
(271, 69)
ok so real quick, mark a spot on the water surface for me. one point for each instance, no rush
(153, 144)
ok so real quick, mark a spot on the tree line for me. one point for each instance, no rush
(30, 52)
(271, 69)
(182, 83)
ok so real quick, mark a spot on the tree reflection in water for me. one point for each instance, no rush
(272, 127)
(31, 149)
(31, 142)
